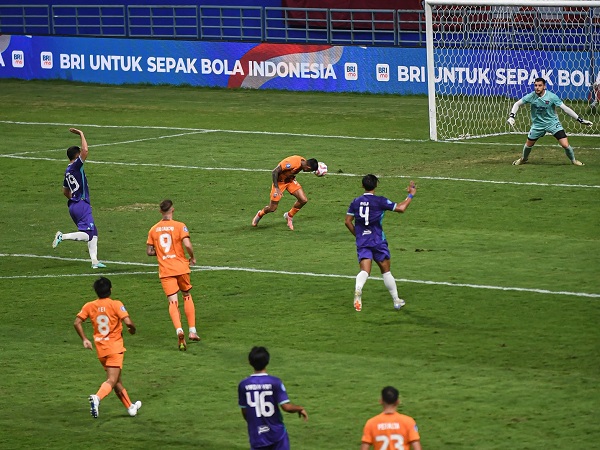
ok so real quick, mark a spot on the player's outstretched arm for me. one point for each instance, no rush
(513, 113)
(291, 408)
(575, 116)
(84, 146)
(412, 190)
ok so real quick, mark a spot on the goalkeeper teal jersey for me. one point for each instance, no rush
(543, 115)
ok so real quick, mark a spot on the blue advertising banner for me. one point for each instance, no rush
(297, 67)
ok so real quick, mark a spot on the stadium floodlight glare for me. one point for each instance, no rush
(482, 56)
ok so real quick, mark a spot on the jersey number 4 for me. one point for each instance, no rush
(262, 407)
(363, 212)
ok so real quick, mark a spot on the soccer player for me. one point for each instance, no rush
(284, 179)
(75, 188)
(106, 316)
(544, 120)
(364, 220)
(260, 396)
(166, 241)
(390, 429)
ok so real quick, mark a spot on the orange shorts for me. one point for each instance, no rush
(112, 360)
(172, 285)
(291, 187)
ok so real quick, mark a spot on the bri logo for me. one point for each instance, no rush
(383, 72)
(351, 71)
(18, 59)
(46, 60)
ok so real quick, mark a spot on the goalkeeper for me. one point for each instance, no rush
(544, 120)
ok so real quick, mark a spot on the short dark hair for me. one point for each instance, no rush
(389, 395)
(166, 205)
(102, 286)
(73, 152)
(313, 164)
(259, 358)
(540, 79)
(370, 182)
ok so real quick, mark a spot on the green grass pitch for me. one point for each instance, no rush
(497, 347)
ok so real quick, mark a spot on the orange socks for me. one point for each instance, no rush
(190, 311)
(104, 390)
(124, 397)
(174, 313)
(292, 212)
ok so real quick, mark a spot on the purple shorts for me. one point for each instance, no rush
(283, 444)
(379, 253)
(81, 213)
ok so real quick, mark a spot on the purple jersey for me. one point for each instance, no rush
(76, 182)
(368, 211)
(260, 395)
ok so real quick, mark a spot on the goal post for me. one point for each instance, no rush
(483, 56)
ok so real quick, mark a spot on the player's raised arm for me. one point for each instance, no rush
(412, 190)
(84, 146)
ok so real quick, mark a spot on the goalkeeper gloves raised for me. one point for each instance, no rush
(585, 122)
(511, 119)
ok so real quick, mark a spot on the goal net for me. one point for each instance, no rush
(483, 56)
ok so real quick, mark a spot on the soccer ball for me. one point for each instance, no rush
(321, 170)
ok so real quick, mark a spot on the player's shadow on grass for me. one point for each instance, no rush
(409, 317)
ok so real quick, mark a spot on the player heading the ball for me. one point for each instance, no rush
(284, 179)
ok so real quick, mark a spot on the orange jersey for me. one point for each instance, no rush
(167, 238)
(106, 315)
(389, 431)
(290, 166)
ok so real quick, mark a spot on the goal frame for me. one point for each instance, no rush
(433, 134)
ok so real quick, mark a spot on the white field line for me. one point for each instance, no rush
(271, 133)
(277, 272)
(240, 169)
(208, 130)
(243, 169)
(109, 143)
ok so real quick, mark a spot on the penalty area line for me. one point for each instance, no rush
(281, 272)
(331, 174)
